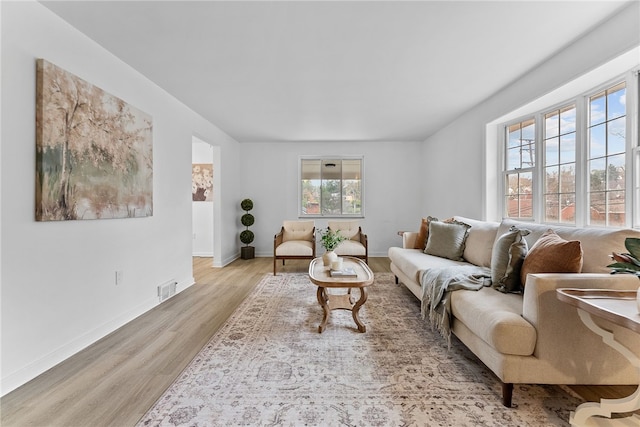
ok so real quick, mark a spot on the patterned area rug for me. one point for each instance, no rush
(268, 365)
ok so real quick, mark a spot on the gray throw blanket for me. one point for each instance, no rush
(437, 284)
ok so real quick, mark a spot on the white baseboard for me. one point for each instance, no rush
(203, 254)
(16, 379)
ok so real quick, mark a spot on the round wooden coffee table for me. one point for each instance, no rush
(321, 276)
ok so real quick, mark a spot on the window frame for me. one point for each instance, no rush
(506, 172)
(361, 214)
(578, 159)
(582, 195)
(628, 151)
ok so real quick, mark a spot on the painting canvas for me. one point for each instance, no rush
(94, 152)
(202, 182)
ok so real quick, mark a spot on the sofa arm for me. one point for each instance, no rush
(409, 239)
(557, 323)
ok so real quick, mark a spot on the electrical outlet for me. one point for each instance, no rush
(194, 236)
(119, 277)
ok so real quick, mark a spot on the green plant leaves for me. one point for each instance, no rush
(331, 239)
(246, 236)
(246, 204)
(247, 220)
(633, 246)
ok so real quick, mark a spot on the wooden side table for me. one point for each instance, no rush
(620, 308)
(320, 275)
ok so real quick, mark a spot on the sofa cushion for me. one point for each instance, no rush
(413, 261)
(423, 234)
(447, 239)
(552, 254)
(479, 244)
(597, 243)
(507, 257)
(496, 318)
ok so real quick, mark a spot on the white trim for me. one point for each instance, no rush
(633, 134)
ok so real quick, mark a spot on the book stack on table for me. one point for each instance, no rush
(345, 272)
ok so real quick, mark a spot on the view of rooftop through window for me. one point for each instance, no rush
(520, 157)
(560, 165)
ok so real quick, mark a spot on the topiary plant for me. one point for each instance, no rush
(246, 204)
(247, 236)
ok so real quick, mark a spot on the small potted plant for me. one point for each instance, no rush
(330, 240)
(627, 262)
(247, 236)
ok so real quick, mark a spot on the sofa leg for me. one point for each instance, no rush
(507, 393)
(396, 280)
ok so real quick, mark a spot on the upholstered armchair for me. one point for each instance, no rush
(296, 240)
(356, 244)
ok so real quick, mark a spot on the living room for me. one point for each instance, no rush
(58, 292)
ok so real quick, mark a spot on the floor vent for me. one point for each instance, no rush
(167, 290)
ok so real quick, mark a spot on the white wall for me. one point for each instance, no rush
(202, 212)
(393, 179)
(58, 287)
(460, 146)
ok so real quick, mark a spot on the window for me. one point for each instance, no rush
(607, 156)
(520, 161)
(559, 142)
(569, 164)
(331, 186)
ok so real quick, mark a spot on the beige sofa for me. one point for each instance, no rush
(532, 337)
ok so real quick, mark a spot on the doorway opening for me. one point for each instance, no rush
(203, 191)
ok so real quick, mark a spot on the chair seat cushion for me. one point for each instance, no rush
(350, 247)
(295, 248)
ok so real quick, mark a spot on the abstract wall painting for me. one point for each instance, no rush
(202, 182)
(94, 152)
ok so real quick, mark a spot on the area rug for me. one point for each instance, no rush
(268, 365)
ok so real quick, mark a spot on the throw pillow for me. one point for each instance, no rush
(423, 234)
(447, 239)
(552, 254)
(507, 257)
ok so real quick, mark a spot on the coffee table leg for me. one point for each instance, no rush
(322, 299)
(356, 309)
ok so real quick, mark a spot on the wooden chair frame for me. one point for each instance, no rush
(277, 241)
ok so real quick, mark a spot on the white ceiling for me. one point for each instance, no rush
(333, 70)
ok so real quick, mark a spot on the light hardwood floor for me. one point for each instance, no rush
(116, 380)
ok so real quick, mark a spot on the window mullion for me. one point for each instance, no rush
(582, 163)
(633, 145)
(539, 201)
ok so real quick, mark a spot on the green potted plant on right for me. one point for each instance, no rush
(627, 262)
